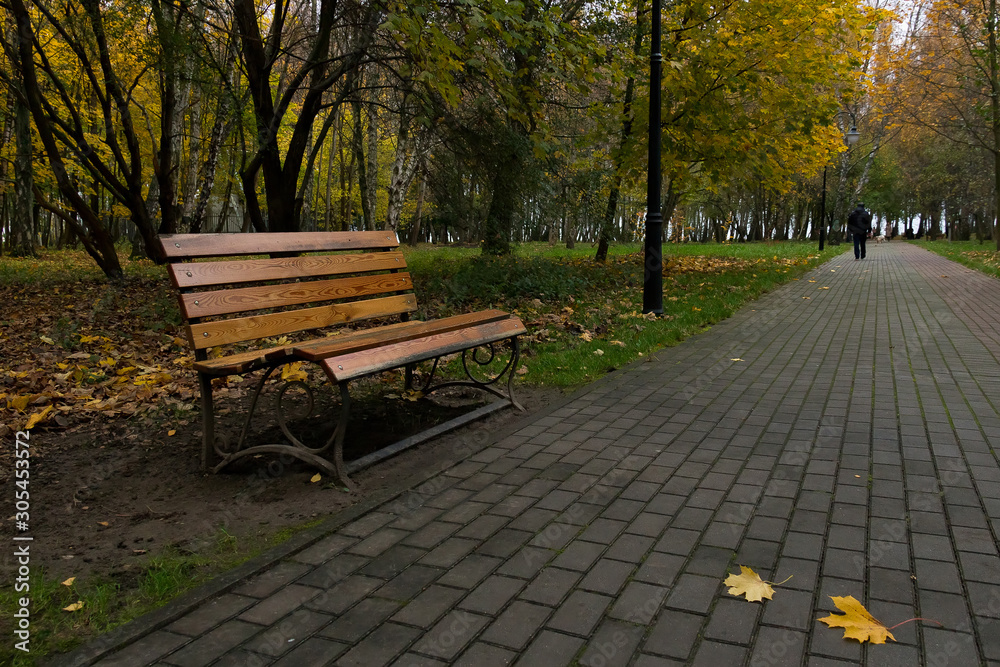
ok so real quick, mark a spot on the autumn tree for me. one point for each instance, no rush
(953, 78)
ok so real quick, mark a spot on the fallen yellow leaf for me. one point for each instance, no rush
(69, 582)
(102, 523)
(19, 403)
(76, 606)
(294, 373)
(171, 432)
(315, 478)
(37, 417)
(857, 622)
(750, 584)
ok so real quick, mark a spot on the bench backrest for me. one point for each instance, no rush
(310, 280)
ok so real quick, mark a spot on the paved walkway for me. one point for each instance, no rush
(841, 430)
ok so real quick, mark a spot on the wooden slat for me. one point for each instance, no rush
(317, 350)
(188, 246)
(235, 364)
(367, 362)
(242, 362)
(210, 334)
(245, 299)
(234, 272)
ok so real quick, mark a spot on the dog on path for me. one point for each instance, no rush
(880, 239)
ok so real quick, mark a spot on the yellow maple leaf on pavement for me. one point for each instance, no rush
(857, 622)
(750, 584)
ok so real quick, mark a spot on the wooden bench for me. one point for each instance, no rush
(311, 281)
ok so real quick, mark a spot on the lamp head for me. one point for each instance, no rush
(852, 135)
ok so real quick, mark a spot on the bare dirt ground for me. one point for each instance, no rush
(108, 497)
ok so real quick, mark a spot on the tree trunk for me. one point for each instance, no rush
(22, 242)
(415, 226)
(604, 236)
(360, 160)
(404, 168)
(995, 112)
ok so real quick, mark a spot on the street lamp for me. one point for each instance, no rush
(652, 278)
(851, 138)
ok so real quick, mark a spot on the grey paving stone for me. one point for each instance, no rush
(430, 535)
(344, 594)
(710, 561)
(612, 645)
(313, 652)
(733, 621)
(792, 609)
(367, 524)
(272, 608)
(449, 552)
(550, 648)
(213, 644)
(210, 614)
(484, 655)
(271, 580)
(333, 570)
(359, 620)
(550, 586)
(607, 576)
(629, 548)
(984, 599)
(424, 610)
(948, 609)
(394, 560)
(639, 603)
(660, 569)
(580, 613)
(579, 555)
(451, 635)
(241, 657)
(380, 647)
(693, 593)
(980, 567)
(674, 634)
(470, 571)
(516, 626)
(953, 648)
(938, 576)
(678, 541)
(146, 651)
(407, 584)
(492, 595)
(890, 585)
(779, 647)
(711, 654)
(288, 632)
(324, 550)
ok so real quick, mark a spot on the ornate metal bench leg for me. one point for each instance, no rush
(207, 421)
(516, 346)
(338, 443)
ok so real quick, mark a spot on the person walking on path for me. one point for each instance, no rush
(859, 223)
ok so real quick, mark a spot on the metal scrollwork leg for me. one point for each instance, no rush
(486, 384)
(294, 446)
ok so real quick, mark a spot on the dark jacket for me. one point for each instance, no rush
(859, 221)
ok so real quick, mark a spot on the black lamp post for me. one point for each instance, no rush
(652, 279)
(851, 138)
